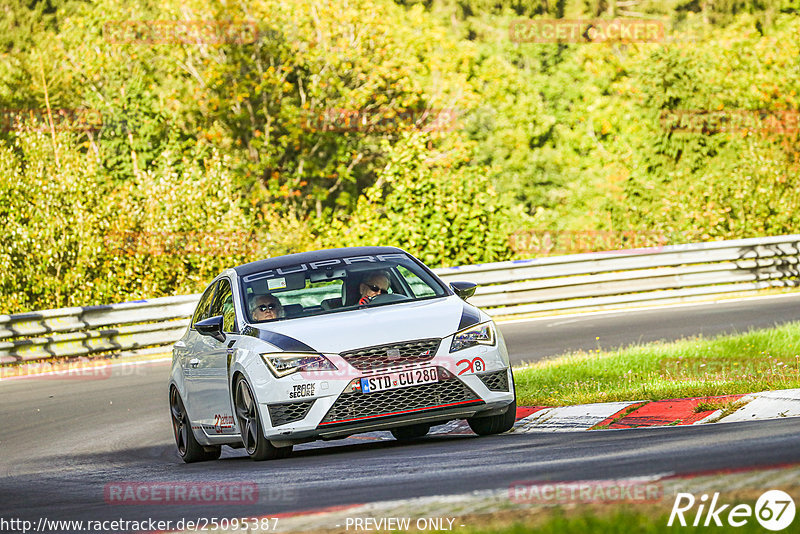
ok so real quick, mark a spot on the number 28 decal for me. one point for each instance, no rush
(475, 365)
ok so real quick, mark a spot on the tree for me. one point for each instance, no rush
(436, 206)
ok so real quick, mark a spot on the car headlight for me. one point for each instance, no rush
(482, 334)
(286, 363)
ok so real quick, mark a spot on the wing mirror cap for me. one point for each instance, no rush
(211, 327)
(463, 289)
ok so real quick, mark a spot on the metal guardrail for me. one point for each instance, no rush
(644, 275)
(68, 332)
(598, 279)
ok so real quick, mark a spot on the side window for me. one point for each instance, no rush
(420, 288)
(223, 305)
(203, 306)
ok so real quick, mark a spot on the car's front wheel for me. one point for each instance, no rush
(188, 447)
(257, 446)
(405, 433)
(494, 424)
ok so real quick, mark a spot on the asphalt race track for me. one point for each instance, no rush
(63, 440)
(533, 340)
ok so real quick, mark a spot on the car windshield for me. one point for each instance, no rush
(335, 285)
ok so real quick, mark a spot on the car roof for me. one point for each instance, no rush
(316, 255)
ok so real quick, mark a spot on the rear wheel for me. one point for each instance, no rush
(188, 447)
(405, 433)
(257, 446)
(494, 424)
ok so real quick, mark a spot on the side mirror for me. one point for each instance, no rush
(463, 289)
(211, 327)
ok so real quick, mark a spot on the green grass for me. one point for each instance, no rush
(630, 409)
(727, 407)
(758, 360)
(619, 521)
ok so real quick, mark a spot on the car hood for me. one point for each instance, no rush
(341, 331)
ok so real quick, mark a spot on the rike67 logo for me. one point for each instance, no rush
(774, 510)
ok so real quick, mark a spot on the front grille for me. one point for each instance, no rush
(392, 355)
(281, 414)
(357, 405)
(496, 380)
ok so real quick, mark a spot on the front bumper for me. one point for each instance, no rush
(435, 403)
(474, 381)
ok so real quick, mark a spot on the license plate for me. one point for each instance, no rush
(400, 379)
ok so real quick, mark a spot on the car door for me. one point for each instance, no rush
(208, 368)
(188, 348)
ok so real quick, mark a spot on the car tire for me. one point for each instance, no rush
(284, 452)
(189, 449)
(405, 433)
(257, 446)
(494, 424)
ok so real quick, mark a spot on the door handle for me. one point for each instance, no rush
(194, 362)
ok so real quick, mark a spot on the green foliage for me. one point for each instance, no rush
(712, 183)
(20, 20)
(469, 8)
(611, 518)
(70, 240)
(441, 210)
(53, 217)
(219, 137)
(263, 102)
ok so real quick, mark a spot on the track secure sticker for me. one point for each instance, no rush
(302, 390)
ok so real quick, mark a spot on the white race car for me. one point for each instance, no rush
(326, 344)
